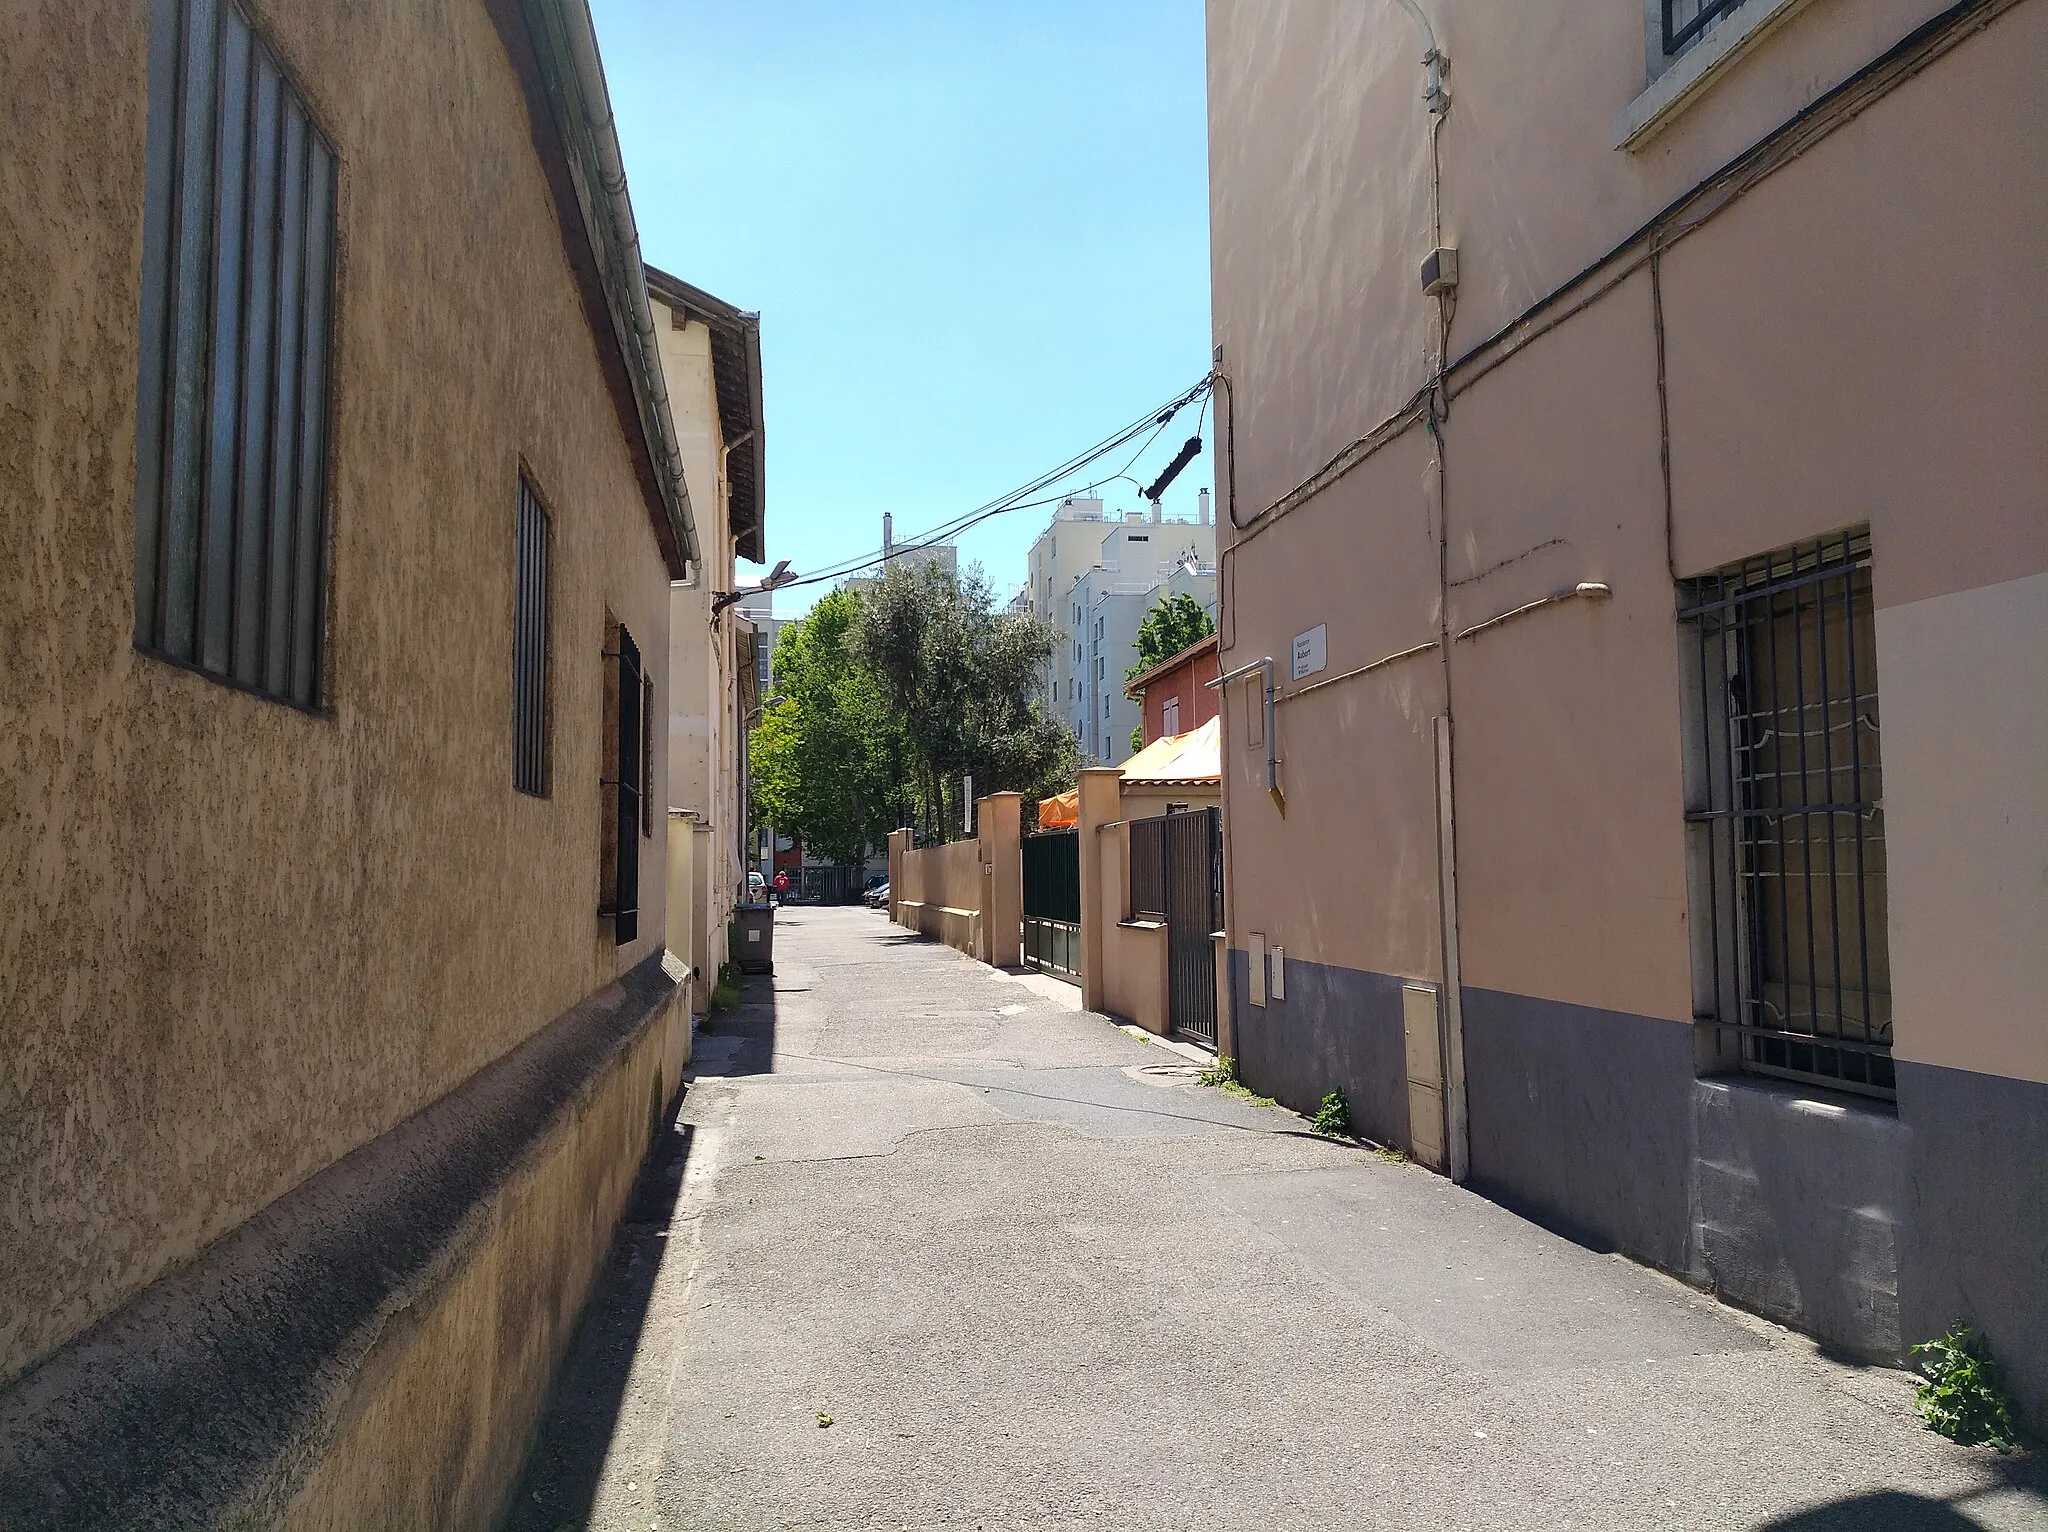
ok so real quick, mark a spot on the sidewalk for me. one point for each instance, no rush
(1035, 1276)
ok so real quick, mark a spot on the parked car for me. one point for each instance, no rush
(877, 897)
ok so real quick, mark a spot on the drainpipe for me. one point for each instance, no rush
(1272, 745)
(1436, 99)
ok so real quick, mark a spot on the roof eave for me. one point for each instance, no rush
(744, 326)
(553, 48)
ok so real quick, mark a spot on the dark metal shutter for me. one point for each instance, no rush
(626, 899)
(530, 648)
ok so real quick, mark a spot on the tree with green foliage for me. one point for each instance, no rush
(1169, 626)
(961, 680)
(826, 761)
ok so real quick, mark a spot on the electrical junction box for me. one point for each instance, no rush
(1440, 272)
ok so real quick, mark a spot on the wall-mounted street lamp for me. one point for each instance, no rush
(778, 577)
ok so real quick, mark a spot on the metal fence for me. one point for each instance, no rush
(1177, 876)
(1788, 815)
(1148, 867)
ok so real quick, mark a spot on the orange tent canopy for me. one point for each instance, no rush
(1057, 813)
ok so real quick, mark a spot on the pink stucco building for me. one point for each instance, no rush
(1634, 596)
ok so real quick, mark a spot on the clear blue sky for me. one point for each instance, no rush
(976, 231)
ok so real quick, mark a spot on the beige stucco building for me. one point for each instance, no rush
(1651, 594)
(338, 490)
(711, 356)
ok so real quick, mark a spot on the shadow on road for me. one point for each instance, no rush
(1892, 1510)
(558, 1486)
(740, 1042)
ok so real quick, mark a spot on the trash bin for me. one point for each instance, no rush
(756, 933)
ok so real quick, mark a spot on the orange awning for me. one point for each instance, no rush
(1057, 813)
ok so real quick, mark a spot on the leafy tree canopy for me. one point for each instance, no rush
(827, 758)
(1169, 626)
(961, 680)
(888, 696)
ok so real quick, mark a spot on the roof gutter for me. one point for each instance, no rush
(565, 42)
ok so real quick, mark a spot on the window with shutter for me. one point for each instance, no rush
(530, 647)
(626, 758)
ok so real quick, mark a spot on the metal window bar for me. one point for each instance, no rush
(1685, 20)
(530, 648)
(232, 389)
(1788, 814)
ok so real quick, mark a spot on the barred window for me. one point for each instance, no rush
(231, 412)
(530, 646)
(1785, 809)
(1686, 20)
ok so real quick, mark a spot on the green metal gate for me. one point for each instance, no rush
(1052, 902)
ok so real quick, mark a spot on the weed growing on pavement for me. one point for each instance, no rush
(1333, 1117)
(1223, 1075)
(1390, 1154)
(1964, 1397)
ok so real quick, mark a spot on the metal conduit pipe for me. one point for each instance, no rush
(598, 136)
(1272, 746)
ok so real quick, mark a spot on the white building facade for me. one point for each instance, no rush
(1093, 575)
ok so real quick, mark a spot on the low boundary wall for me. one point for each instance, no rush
(969, 894)
(408, 1304)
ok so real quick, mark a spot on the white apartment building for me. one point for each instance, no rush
(1093, 576)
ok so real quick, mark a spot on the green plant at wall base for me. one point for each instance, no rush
(1964, 1397)
(725, 994)
(1333, 1117)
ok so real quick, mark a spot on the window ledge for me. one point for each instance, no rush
(1697, 68)
(1803, 1098)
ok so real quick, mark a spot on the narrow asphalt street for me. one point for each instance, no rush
(929, 1248)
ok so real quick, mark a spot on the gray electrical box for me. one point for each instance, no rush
(1440, 272)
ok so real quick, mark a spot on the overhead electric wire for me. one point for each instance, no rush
(1016, 499)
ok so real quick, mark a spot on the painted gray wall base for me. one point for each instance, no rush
(1866, 1228)
(208, 1395)
(1583, 1118)
(1338, 1028)
(1976, 1245)
(1797, 1201)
